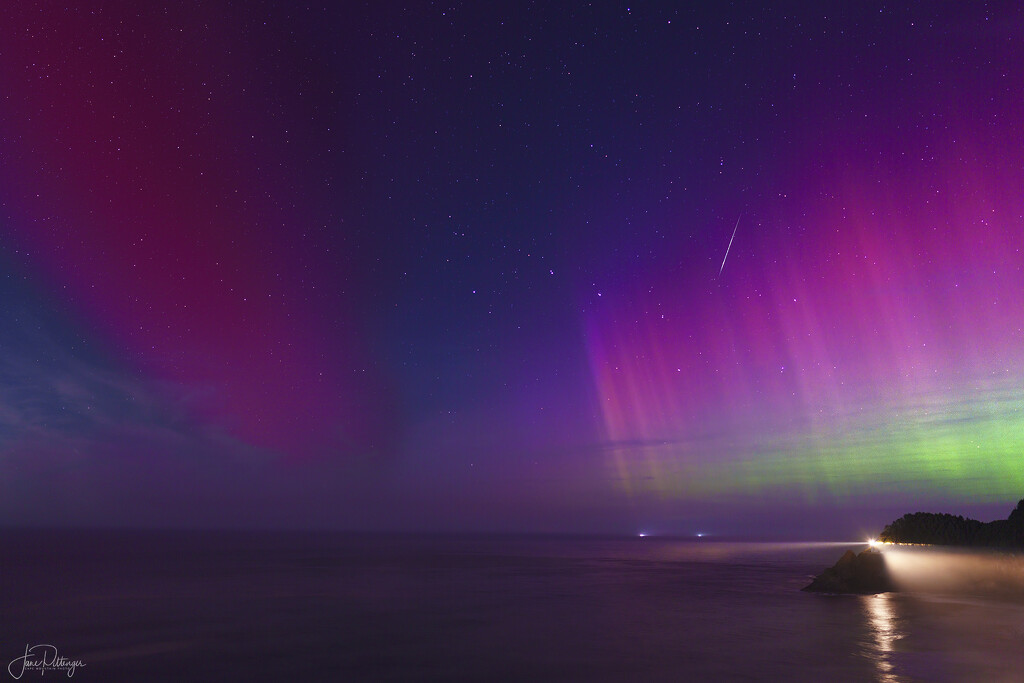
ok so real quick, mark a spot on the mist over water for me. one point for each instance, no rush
(927, 569)
(275, 606)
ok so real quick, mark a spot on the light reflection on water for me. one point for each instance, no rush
(959, 616)
(882, 623)
(165, 607)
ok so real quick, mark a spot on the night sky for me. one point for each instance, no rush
(460, 267)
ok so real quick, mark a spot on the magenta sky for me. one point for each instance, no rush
(458, 267)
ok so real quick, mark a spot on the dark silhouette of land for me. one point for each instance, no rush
(943, 529)
(865, 574)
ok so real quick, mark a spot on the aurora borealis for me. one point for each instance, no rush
(439, 266)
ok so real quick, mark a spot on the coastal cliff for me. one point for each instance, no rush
(864, 574)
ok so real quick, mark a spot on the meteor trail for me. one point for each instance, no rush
(730, 245)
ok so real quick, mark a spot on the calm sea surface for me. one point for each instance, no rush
(136, 606)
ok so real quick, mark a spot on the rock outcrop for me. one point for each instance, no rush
(864, 574)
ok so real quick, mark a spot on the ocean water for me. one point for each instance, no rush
(175, 606)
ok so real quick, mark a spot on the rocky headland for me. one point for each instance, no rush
(866, 573)
(863, 574)
(929, 528)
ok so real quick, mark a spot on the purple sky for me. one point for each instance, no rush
(458, 266)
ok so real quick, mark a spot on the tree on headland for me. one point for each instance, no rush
(944, 529)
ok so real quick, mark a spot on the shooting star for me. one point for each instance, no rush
(730, 245)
